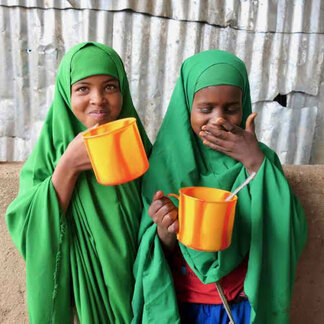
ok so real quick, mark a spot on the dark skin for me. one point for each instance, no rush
(165, 214)
(215, 118)
(95, 100)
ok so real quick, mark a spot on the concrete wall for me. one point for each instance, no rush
(307, 182)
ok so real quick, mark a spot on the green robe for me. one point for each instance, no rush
(87, 253)
(269, 226)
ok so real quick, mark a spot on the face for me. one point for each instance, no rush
(211, 103)
(96, 100)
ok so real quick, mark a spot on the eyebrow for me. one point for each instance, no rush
(212, 103)
(205, 103)
(105, 81)
(233, 103)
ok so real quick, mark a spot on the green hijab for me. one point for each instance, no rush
(269, 227)
(85, 255)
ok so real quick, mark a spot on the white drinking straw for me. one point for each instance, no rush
(218, 285)
(225, 302)
(253, 174)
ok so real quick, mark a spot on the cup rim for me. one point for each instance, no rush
(131, 119)
(210, 202)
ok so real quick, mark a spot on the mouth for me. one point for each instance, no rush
(99, 114)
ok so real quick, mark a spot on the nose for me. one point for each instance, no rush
(217, 113)
(97, 98)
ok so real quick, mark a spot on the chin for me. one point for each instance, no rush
(107, 120)
(101, 121)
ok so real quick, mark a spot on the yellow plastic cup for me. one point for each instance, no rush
(116, 151)
(205, 218)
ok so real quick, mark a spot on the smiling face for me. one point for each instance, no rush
(96, 100)
(211, 103)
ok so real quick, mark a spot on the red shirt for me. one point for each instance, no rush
(191, 290)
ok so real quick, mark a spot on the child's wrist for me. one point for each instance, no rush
(68, 166)
(254, 163)
(168, 239)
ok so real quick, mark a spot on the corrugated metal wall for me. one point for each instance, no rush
(282, 43)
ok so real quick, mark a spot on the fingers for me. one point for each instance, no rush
(160, 201)
(80, 134)
(158, 195)
(215, 132)
(228, 126)
(167, 209)
(164, 213)
(249, 125)
(174, 227)
(219, 138)
(170, 221)
(220, 148)
(214, 142)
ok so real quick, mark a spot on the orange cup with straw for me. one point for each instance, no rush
(116, 151)
(205, 218)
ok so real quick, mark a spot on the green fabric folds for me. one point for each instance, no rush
(86, 254)
(93, 61)
(270, 224)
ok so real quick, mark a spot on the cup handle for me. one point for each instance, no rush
(173, 195)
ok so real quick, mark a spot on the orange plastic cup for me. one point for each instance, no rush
(116, 151)
(205, 218)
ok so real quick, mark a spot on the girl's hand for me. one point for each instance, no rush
(240, 144)
(77, 156)
(74, 160)
(165, 214)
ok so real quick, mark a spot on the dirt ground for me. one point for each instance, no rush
(307, 183)
(13, 307)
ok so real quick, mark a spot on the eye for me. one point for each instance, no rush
(232, 110)
(111, 87)
(81, 89)
(204, 110)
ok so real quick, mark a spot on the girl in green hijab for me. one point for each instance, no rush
(207, 139)
(78, 238)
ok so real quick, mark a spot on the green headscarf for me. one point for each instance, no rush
(86, 254)
(270, 225)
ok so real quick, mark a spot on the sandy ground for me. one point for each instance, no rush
(13, 307)
(307, 307)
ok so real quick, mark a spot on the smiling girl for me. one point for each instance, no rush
(79, 238)
(207, 139)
